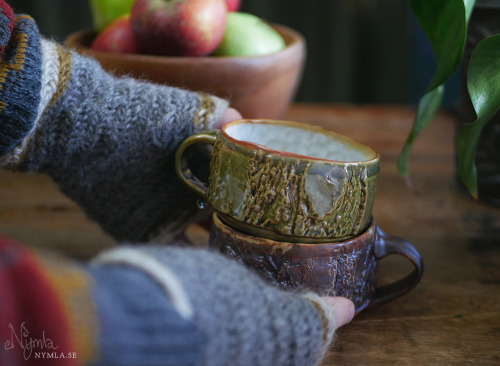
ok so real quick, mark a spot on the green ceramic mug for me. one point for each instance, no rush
(286, 180)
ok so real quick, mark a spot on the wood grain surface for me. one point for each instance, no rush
(453, 315)
(451, 318)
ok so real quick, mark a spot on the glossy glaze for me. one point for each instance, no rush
(276, 193)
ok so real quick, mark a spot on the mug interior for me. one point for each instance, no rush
(297, 139)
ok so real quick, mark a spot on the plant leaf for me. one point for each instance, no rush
(427, 107)
(483, 84)
(445, 24)
(469, 6)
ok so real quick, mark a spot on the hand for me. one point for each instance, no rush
(343, 309)
(229, 115)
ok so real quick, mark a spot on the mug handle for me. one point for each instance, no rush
(386, 244)
(181, 167)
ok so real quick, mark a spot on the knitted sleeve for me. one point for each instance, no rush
(108, 142)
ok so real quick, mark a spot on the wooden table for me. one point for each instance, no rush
(451, 318)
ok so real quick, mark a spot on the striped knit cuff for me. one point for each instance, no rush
(210, 110)
(34, 310)
(20, 83)
(53, 55)
(74, 286)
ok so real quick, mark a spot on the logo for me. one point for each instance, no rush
(34, 347)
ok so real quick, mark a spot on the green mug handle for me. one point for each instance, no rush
(181, 167)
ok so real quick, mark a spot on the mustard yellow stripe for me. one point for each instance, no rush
(20, 54)
(74, 286)
(65, 66)
(206, 109)
(34, 140)
(23, 16)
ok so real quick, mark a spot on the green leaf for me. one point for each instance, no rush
(469, 6)
(483, 77)
(483, 84)
(427, 107)
(445, 24)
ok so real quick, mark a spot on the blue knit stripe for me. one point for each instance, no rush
(6, 24)
(20, 83)
(139, 325)
(4, 31)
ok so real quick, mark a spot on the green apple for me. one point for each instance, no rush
(104, 12)
(248, 35)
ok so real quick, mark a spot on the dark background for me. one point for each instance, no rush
(359, 51)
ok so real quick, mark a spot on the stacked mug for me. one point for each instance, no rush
(294, 202)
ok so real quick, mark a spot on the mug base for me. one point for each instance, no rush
(261, 232)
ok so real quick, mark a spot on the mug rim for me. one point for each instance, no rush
(299, 125)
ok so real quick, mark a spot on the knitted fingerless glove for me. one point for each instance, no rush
(152, 306)
(245, 321)
(108, 142)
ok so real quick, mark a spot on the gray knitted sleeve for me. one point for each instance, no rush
(246, 321)
(109, 143)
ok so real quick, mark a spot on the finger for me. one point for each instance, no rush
(229, 115)
(343, 309)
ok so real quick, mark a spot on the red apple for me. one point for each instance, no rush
(233, 5)
(179, 27)
(117, 37)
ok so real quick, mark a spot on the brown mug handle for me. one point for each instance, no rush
(386, 244)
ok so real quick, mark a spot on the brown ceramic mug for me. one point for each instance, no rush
(348, 268)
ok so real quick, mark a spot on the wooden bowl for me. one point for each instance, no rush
(259, 86)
